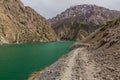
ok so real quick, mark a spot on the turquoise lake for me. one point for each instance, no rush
(17, 62)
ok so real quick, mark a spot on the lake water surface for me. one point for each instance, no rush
(17, 62)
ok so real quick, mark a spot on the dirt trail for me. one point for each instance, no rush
(88, 67)
(67, 74)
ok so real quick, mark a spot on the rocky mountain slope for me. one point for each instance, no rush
(79, 21)
(100, 60)
(106, 50)
(21, 24)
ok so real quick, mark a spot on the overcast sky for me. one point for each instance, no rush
(50, 8)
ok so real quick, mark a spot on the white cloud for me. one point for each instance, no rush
(50, 8)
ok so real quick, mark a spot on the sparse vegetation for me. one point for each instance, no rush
(104, 27)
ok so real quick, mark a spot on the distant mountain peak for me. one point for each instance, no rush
(85, 10)
(85, 16)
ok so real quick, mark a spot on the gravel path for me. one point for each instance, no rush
(67, 74)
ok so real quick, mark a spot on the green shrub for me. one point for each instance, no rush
(103, 28)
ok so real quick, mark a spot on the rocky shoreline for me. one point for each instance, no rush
(79, 64)
(52, 71)
(57, 69)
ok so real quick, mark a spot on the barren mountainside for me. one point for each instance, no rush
(79, 21)
(21, 24)
(106, 50)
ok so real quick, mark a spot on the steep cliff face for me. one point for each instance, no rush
(81, 20)
(20, 24)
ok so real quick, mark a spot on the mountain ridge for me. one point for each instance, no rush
(85, 18)
(75, 11)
